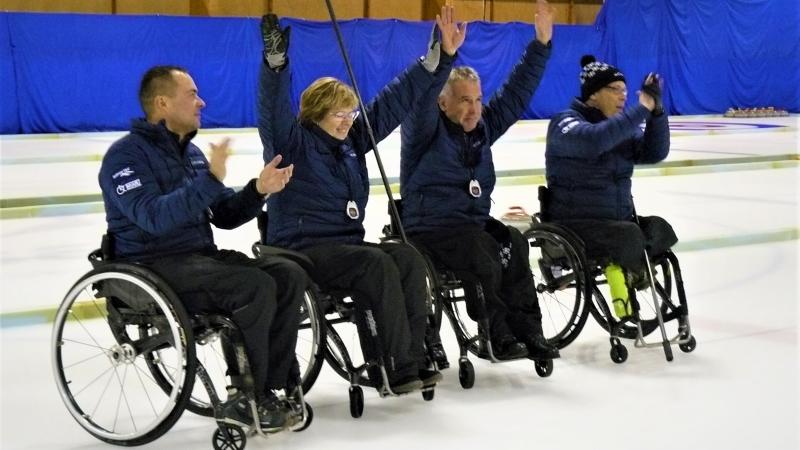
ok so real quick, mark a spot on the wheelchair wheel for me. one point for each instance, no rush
(311, 338)
(210, 354)
(229, 437)
(109, 323)
(559, 271)
(644, 305)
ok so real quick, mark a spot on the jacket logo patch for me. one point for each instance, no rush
(198, 163)
(126, 172)
(129, 186)
(569, 126)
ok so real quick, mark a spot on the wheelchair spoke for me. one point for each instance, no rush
(138, 373)
(76, 393)
(103, 393)
(85, 359)
(98, 346)
(80, 322)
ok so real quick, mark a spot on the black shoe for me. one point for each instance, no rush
(508, 347)
(236, 411)
(429, 377)
(539, 348)
(406, 384)
(273, 414)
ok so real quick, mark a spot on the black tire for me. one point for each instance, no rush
(124, 314)
(688, 346)
(356, 401)
(466, 374)
(228, 437)
(428, 394)
(618, 353)
(311, 339)
(560, 273)
(309, 419)
(544, 368)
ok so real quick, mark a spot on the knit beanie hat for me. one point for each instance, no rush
(595, 75)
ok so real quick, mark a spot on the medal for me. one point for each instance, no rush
(474, 188)
(352, 210)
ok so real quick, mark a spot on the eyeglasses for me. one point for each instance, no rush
(617, 90)
(341, 115)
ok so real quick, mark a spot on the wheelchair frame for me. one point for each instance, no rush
(124, 316)
(445, 286)
(334, 309)
(560, 265)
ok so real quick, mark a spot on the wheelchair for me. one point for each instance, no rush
(337, 340)
(569, 285)
(127, 357)
(468, 319)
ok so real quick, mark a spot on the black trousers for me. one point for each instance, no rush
(497, 256)
(261, 296)
(623, 242)
(387, 279)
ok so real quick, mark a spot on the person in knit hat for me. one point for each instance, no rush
(591, 151)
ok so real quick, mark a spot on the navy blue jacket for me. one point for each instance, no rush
(589, 159)
(328, 173)
(439, 158)
(160, 196)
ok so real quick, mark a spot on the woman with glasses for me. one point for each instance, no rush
(321, 212)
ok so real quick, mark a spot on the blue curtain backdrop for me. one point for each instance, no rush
(713, 54)
(71, 72)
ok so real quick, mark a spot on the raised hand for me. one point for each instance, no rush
(452, 32)
(543, 20)
(651, 85)
(276, 41)
(219, 158)
(272, 179)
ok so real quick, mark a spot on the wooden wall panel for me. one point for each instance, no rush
(466, 10)
(170, 8)
(585, 14)
(58, 6)
(235, 8)
(407, 10)
(512, 11)
(316, 9)
(566, 12)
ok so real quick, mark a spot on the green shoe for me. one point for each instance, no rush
(622, 308)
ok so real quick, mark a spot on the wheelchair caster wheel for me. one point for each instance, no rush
(309, 417)
(428, 394)
(688, 346)
(228, 437)
(544, 368)
(356, 401)
(619, 353)
(466, 374)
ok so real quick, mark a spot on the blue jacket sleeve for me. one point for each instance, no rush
(277, 125)
(419, 128)
(573, 136)
(140, 198)
(237, 208)
(393, 103)
(654, 146)
(509, 102)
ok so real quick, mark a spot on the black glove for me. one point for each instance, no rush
(276, 41)
(654, 90)
(431, 59)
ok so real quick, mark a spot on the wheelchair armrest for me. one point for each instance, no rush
(262, 251)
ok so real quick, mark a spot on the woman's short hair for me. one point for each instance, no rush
(324, 95)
